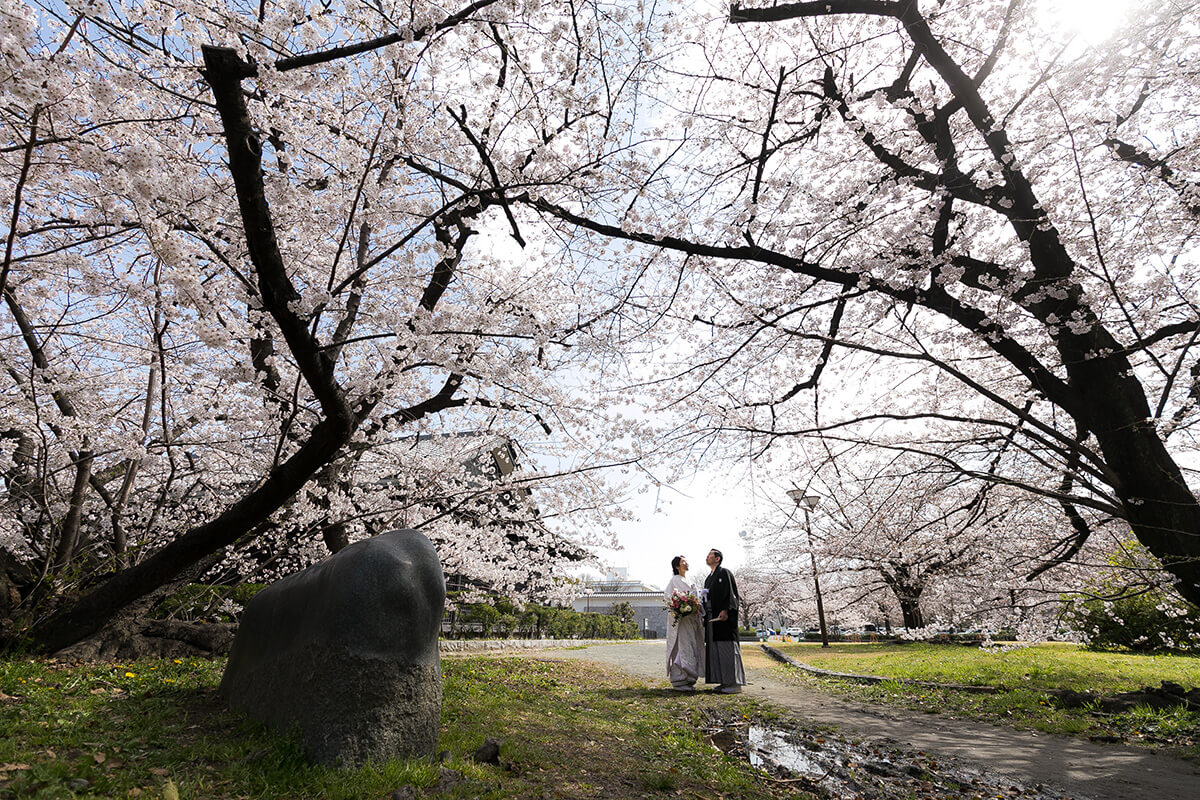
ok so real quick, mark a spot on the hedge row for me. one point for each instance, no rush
(501, 619)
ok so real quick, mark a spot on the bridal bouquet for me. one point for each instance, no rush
(681, 604)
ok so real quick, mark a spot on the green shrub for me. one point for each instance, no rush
(500, 617)
(1156, 621)
(478, 617)
(1146, 618)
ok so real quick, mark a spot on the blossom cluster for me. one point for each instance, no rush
(682, 604)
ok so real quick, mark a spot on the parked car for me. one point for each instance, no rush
(794, 632)
(864, 632)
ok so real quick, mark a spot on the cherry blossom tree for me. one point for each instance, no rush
(239, 291)
(915, 535)
(765, 592)
(877, 218)
(904, 537)
(908, 525)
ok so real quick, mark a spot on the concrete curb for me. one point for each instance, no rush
(848, 676)
(494, 645)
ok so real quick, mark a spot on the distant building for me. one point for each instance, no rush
(647, 602)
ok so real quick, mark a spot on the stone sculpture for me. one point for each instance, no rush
(345, 653)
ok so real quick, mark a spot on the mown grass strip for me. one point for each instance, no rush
(1042, 666)
(156, 729)
(1025, 674)
(858, 678)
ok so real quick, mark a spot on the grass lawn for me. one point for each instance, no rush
(1025, 674)
(1040, 666)
(157, 729)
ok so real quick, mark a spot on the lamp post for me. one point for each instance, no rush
(808, 502)
(744, 535)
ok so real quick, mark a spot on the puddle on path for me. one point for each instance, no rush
(768, 747)
(835, 768)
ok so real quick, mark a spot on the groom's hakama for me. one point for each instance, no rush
(723, 659)
(722, 653)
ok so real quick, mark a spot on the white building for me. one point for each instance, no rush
(647, 602)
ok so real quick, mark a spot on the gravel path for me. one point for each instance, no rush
(1081, 768)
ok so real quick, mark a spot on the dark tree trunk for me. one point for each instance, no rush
(1161, 510)
(907, 587)
(910, 608)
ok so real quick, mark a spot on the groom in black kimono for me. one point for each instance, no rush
(722, 653)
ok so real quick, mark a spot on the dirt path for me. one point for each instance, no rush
(1087, 770)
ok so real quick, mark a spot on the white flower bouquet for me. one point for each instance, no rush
(681, 604)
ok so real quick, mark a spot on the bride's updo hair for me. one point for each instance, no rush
(675, 564)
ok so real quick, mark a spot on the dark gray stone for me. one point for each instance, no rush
(345, 653)
(488, 752)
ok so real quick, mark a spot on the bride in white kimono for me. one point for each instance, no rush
(685, 635)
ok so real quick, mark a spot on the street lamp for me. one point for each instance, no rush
(744, 535)
(808, 502)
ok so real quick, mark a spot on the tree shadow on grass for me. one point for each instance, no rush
(107, 741)
(649, 693)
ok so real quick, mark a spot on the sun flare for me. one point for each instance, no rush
(1093, 21)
